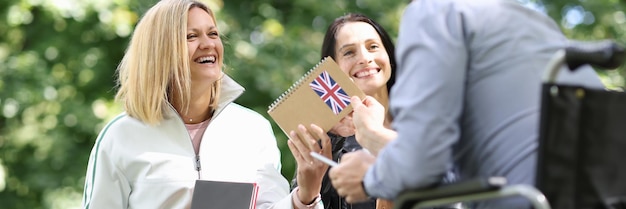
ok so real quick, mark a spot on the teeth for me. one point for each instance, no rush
(206, 59)
(366, 73)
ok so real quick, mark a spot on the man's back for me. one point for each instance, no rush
(509, 49)
(477, 66)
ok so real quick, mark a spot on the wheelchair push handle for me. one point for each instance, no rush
(605, 54)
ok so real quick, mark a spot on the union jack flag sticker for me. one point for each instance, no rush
(330, 92)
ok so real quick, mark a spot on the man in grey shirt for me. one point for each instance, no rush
(467, 93)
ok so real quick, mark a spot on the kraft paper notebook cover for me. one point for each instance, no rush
(321, 97)
(221, 194)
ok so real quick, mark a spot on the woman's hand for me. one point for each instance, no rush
(309, 170)
(344, 128)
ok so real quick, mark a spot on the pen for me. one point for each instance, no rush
(330, 162)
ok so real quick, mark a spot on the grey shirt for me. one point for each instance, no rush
(468, 92)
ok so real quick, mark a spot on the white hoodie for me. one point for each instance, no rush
(134, 165)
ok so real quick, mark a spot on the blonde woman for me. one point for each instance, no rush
(180, 120)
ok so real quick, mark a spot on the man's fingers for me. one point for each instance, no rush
(349, 199)
(353, 199)
(355, 101)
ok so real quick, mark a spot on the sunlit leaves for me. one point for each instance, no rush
(10, 108)
(19, 15)
(3, 173)
(55, 59)
(273, 28)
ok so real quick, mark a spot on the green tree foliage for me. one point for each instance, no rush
(588, 21)
(58, 60)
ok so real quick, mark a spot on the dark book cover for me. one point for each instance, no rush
(224, 195)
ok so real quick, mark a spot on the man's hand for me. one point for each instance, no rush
(348, 175)
(369, 118)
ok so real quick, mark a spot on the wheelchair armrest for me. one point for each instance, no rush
(478, 185)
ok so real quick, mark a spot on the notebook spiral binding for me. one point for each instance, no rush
(294, 86)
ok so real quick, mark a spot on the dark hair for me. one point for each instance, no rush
(328, 46)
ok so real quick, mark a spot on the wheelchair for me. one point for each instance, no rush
(582, 138)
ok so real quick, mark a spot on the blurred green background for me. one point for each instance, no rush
(58, 60)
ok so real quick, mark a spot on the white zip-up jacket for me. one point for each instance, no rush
(134, 165)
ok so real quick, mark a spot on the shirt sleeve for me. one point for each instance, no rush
(426, 101)
(105, 185)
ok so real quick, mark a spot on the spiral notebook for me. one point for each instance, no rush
(321, 96)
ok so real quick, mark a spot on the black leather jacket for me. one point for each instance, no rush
(330, 198)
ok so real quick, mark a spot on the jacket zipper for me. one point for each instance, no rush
(221, 106)
(198, 168)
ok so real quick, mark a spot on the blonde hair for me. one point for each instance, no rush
(155, 69)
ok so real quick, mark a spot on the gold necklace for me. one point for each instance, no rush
(210, 113)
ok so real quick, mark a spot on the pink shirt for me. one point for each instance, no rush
(195, 132)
